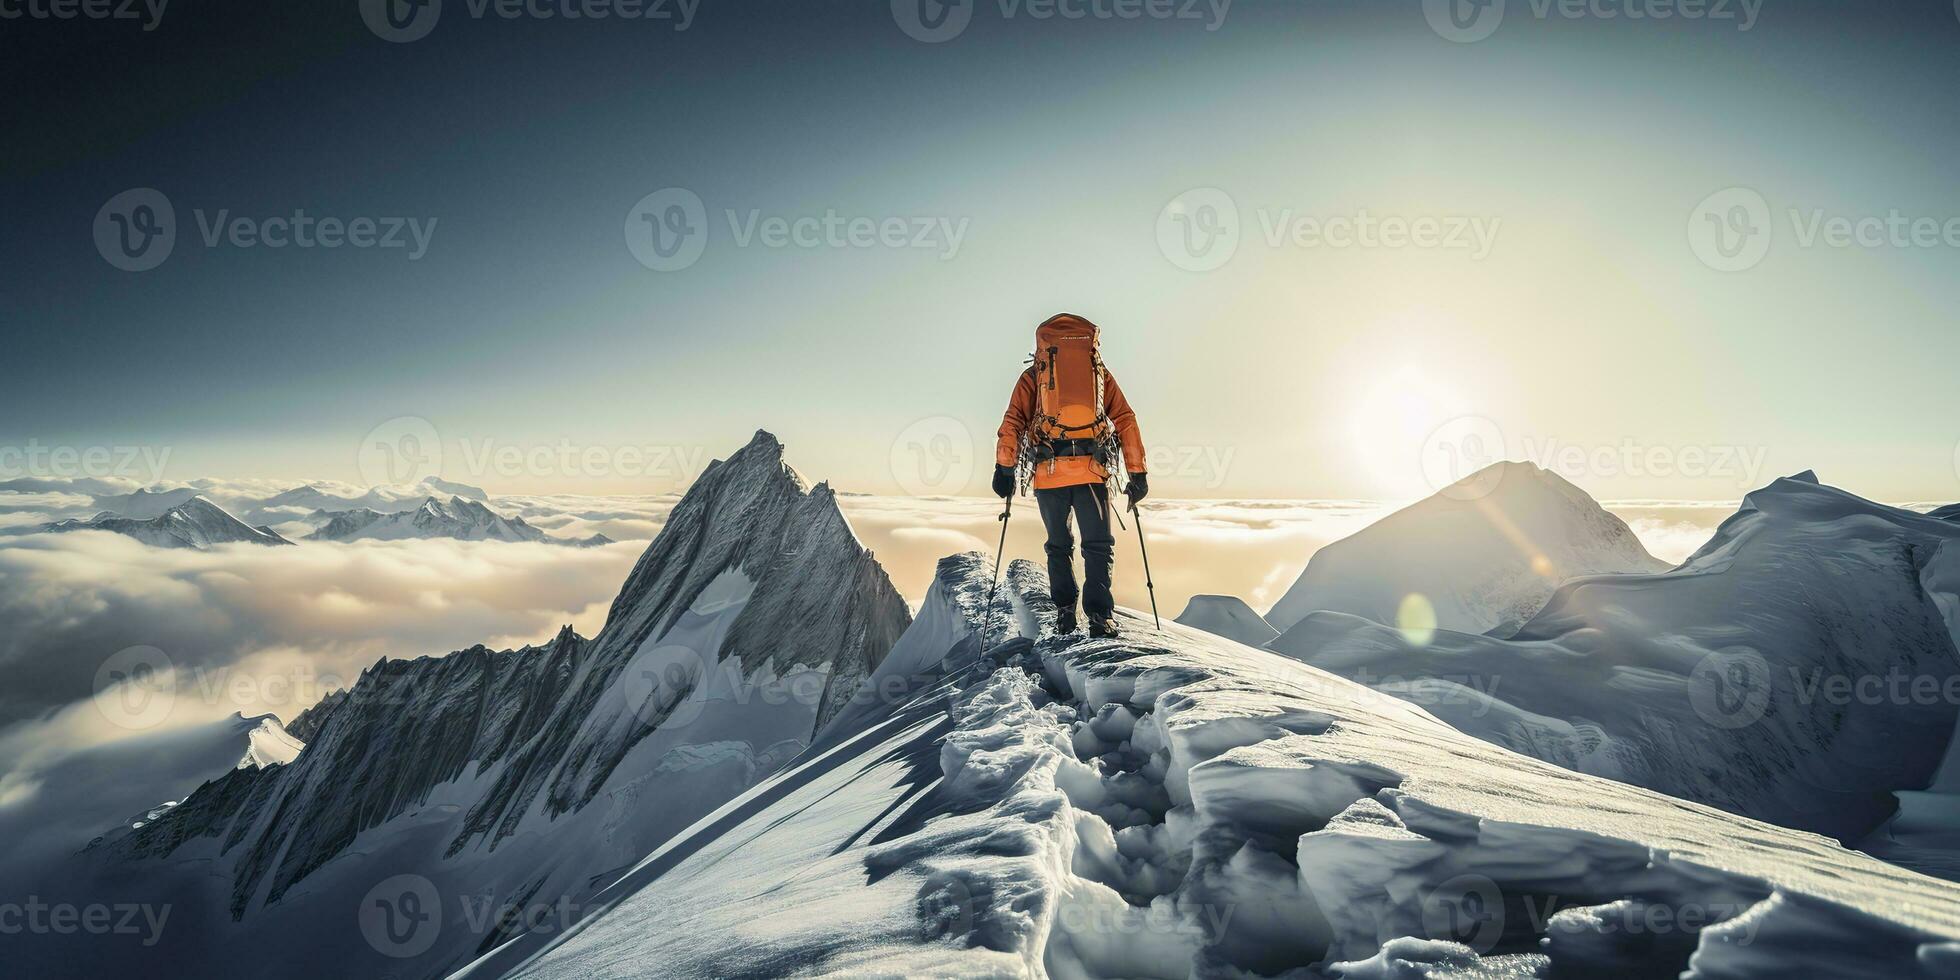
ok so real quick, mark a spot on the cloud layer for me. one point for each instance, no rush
(310, 618)
(1250, 548)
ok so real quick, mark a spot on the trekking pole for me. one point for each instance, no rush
(988, 625)
(1152, 586)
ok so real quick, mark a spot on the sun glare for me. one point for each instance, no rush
(1394, 413)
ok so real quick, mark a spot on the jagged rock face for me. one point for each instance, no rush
(818, 599)
(195, 523)
(404, 728)
(501, 752)
(306, 725)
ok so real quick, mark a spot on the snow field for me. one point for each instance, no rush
(1174, 804)
(1245, 836)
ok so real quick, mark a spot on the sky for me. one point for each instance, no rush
(1627, 246)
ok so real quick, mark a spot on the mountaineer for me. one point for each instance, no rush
(1069, 430)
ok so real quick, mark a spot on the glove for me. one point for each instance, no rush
(1138, 489)
(1003, 481)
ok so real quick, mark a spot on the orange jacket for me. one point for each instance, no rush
(1069, 471)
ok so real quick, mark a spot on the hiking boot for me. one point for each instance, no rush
(1101, 628)
(1065, 619)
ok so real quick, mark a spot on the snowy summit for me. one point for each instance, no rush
(1482, 554)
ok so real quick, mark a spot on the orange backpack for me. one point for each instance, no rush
(1068, 380)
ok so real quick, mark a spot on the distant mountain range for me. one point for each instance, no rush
(184, 518)
(387, 500)
(194, 523)
(463, 520)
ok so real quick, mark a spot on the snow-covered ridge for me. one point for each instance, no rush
(1174, 804)
(143, 503)
(1755, 677)
(269, 744)
(1483, 554)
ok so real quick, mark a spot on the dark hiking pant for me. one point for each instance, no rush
(1090, 505)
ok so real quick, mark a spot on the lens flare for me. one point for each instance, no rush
(1416, 618)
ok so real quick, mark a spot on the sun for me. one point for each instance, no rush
(1393, 413)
